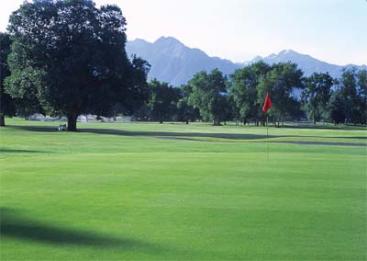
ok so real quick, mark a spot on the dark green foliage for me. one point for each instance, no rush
(163, 100)
(348, 91)
(280, 81)
(362, 94)
(244, 90)
(316, 95)
(249, 85)
(348, 104)
(7, 106)
(185, 111)
(337, 108)
(73, 58)
(138, 88)
(209, 95)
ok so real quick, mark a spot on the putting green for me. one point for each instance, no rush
(118, 191)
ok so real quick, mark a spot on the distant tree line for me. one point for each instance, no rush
(67, 58)
(214, 97)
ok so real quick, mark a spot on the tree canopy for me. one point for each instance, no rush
(244, 90)
(163, 100)
(317, 94)
(348, 103)
(7, 106)
(208, 94)
(71, 56)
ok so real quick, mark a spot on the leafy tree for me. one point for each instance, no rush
(348, 101)
(362, 94)
(22, 86)
(317, 94)
(70, 55)
(137, 87)
(362, 84)
(243, 90)
(7, 106)
(227, 108)
(186, 112)
(163, 100)
(280, 81)
(208, 95)
(349, 95)
(336, 107)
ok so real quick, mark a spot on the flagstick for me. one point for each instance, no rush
(267, 105)
(267, 135)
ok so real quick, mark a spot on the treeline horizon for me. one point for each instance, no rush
(68, 58)
(212, 96)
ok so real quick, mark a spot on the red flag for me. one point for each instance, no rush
(267, 103)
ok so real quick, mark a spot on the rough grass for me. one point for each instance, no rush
(152, 191)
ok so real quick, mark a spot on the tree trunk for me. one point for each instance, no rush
(244, 121)
(2, 120)
(314, 117)
(72, 121)
(216, 122)
(187, 121)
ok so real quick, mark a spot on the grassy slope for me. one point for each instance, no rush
(150, 191)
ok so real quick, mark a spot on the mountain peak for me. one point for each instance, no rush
(168, 40)
(288, 52)
(174, 62)
(137, 40)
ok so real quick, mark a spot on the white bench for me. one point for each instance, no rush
(61, 127)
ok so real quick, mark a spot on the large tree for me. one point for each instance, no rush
(73, 57)
(316, 95)
(280, 82)
(349, 100)
(243, 90)
(7, 106)
(162, 101)
(209, 95)
(336, 107)
(362, 94)
(185, 111)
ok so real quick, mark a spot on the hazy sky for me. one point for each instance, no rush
(331, 30)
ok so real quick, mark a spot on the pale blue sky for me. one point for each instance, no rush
(331, 30)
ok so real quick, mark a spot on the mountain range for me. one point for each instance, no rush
(173, 62)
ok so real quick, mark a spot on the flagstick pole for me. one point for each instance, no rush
(267, 135)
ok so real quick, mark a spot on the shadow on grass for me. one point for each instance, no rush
(35, 128)
(178, 135)
(14, 225)
(324, 127)
(182, 135)
(150, 133)
(317, 143)
(20, 151)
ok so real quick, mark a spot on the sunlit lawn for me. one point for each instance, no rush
(174, 191)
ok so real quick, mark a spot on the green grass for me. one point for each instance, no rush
(127, 191)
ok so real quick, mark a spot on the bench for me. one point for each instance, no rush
(61, 127)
